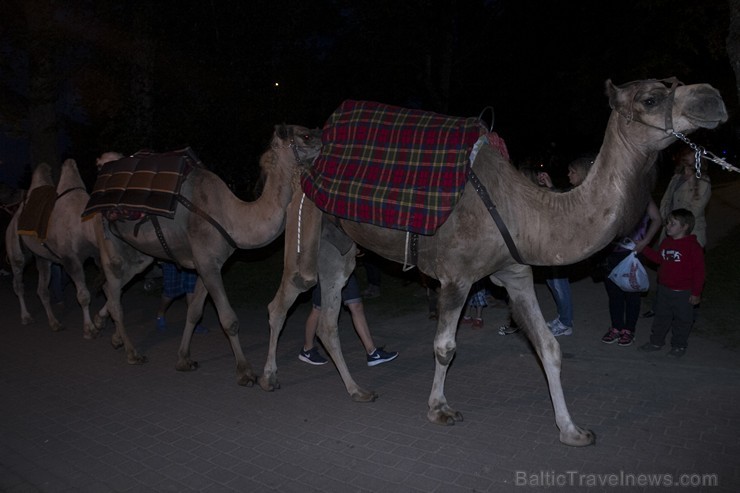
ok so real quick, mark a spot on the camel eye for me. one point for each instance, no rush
(651, 101)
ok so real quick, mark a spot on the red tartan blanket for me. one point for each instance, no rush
(393, 167)
(145, 183)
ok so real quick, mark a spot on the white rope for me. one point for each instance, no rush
(300, 218)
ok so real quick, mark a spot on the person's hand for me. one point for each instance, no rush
(640, 245)
(694, 300)
(543, 179)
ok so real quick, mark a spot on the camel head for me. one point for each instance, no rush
(305, 143)
(107, 157)
(652, 110)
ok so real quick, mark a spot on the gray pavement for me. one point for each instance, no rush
(75, 417)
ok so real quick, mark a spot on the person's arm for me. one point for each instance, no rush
(651, 255)
(697, 275)
(655, 224)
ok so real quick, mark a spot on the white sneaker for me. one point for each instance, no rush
(559, 329)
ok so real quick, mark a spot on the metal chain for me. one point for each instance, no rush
(700, 152)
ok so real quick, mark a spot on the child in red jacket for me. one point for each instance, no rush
(680, 260)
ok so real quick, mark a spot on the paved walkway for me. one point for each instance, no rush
(76, 418)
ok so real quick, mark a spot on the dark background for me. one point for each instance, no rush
(124, 76)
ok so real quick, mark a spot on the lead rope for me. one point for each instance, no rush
(700, 152)
(300, 219)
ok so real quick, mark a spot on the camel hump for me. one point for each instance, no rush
(34, 218)
(144, 183)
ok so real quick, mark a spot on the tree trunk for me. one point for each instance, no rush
(42, 90)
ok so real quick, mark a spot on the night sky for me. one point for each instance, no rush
(225, 72)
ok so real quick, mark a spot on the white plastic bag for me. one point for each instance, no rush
(630, 275)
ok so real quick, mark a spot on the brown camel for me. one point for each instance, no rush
(69, 242)
(195, 243)
(546, 228)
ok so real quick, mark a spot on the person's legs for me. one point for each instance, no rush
(560, 289)
(372, 270)
(310, 352)
(683, 319)
(312, 323)
(663, 317)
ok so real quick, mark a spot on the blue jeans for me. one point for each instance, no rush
(560, 288)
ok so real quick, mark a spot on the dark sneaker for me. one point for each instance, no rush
(626, 337)
(379, 356)
(611, 336)
(312, 357)
(649, 347)
(677, 352)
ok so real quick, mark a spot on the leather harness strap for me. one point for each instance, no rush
(194, 208)
(491, 207)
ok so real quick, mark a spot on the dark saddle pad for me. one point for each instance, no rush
(34, 218)
(389, 166)
(145, 183)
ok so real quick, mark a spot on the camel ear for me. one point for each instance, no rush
(281, 131)
(611, 93)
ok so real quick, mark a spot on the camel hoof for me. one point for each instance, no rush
(90, 333)
(186, 365)
(269, 384)
(116, 344)
(246, 380)
(98, 322)
(57, 327)
(136, 359)
(580, 438)
(27, 320)
(364, 396)
(446, 416)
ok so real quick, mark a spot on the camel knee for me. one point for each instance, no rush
(445, 353)
(232, 329)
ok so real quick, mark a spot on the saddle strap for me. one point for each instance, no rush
(160, 236)
(491, 207)
(194, 208)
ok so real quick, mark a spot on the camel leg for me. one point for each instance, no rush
(300, 268)
(77, 274)
(210, 278)
(334, 270)
(17, 260)
(291, 285)
(520, 286)
(42, 290)
(120, 264)
(450, 303)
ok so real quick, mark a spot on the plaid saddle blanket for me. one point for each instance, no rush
(145, 183)
(392, 167)
(34, 218)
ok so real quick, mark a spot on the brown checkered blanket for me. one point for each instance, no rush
(145, 183)
(393, 167)
(34, 218)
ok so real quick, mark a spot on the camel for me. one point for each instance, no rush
(546, 228)
(196, 243)
(69, 242)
